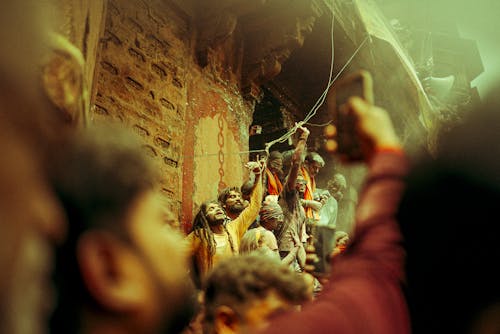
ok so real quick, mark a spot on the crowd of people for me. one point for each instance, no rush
(87, 246)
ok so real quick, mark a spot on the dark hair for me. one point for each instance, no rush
(236, 281)
(273, 155)
(224, 194)
(202, 230)
(246, 188)
(314, 157)
(96, 176)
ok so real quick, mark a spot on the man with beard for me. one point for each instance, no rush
(274, 173)
(123, 269)
(232, 201)
(310, 168)
(214, 237)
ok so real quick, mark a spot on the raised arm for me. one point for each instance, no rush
(247, 216)
(297, 157)
(365, 282)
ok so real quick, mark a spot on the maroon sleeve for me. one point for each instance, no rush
(364, 292)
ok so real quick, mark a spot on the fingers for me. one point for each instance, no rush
(373, 124)
(358, 105)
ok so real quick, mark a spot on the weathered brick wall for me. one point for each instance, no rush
(141, 82)
(147, 79)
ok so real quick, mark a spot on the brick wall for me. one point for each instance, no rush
(147, 79)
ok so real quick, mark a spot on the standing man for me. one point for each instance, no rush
(346, 197)
(292, 232)
(214, 237)
(337, 186)
(232, 202)
(310, 168)
(274, 173)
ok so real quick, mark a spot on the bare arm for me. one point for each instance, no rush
(247, 216)
(297, 157)
(369, 275)
(288, 259)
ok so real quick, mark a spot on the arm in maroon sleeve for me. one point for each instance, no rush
(364, 292)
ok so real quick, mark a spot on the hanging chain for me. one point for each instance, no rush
(220, 141)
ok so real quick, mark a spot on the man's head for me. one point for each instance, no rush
(232, 201)
(212, 212)
(259, 238)
(300, 184)
(337, 186)
(243, 293)
(275, 162)
(313, 163)
(122, 265)
(271, 215)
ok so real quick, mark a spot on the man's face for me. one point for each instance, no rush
(300, 184)
(234, 202)
(165, 258)
(338, 187)
(273, 223)
(276, 166)
(313, 168)
(214, 213)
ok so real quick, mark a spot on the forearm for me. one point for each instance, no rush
(247, 216)
(290, 257)
(315, 205)
(296, 161)
(377, 240)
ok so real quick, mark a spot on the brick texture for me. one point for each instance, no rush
(146, 78)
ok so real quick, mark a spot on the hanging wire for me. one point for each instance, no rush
(314, 108)
(323, 96)
(320, 125)
(321, 99)
(230, 153)
(311, 114)
(318, 103)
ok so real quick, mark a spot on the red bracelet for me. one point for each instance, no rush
(390, 149)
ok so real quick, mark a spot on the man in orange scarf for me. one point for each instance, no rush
(310, 168)
(274, 172)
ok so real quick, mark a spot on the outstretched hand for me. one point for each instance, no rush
(303, 131)
(256, 166)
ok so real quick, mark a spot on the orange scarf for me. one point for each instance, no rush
(274, 186)
(308, 194)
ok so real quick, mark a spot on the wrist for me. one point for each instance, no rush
(390, 149)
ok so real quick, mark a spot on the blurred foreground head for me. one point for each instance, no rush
(30, 218)
(243, 293)
(449, 218)
(122, 268)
